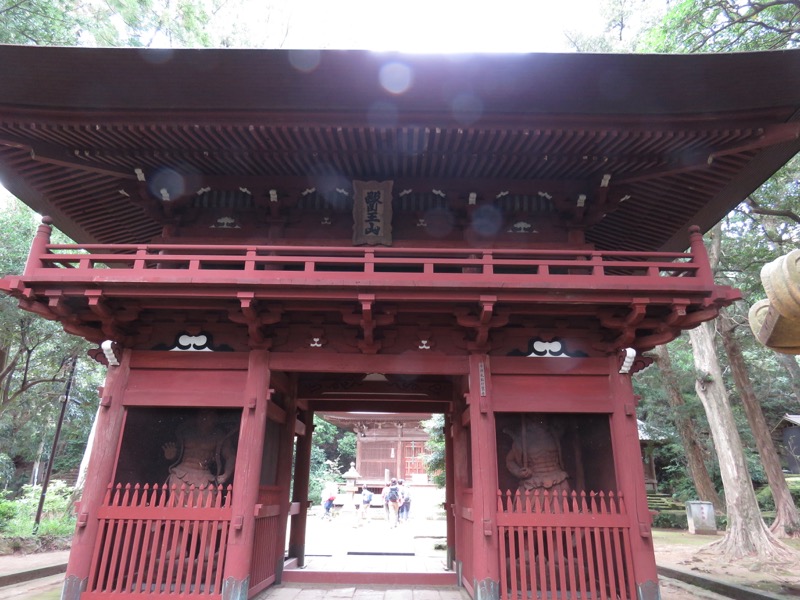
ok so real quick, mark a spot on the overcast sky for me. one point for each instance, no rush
(420, 25)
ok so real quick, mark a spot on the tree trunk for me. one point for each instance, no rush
(787, 521)
(747, 536)
(789, 362)
(694, 450)
(77, 492)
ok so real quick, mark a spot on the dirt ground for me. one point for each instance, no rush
(680, 550)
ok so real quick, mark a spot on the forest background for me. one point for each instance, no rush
(755, 386)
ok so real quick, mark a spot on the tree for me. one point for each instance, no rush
(40, 22)
(787, 521)
(435, 450)
(761, 226)
(746, 536)
(695, 451)
(727, 25)
(34, 354)
(184, 23)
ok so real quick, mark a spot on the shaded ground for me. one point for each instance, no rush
(679, 549)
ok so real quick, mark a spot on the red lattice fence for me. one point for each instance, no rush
(156, 541)
(564, 545)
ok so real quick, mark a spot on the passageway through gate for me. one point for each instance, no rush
(358, 543)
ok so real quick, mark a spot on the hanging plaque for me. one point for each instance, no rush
(372, 212)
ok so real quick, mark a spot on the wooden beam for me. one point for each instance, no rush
(416, 364)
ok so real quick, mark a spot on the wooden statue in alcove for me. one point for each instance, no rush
(204, 455)
(535, 457)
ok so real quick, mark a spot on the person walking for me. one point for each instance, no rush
(405, 501)
(328, 496)
(384, 493)
(366, 501)
(393, 500)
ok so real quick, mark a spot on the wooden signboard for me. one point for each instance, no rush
(372, 213)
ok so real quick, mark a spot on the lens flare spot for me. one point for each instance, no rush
(396, 77)
(304, 60)
(487, 220)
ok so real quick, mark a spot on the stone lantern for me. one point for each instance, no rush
(350, 487)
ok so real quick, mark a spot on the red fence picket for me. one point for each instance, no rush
(160, 541)
(565, 545)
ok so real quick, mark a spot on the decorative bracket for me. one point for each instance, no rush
(250, 315)
(482, 323)
(367, 320)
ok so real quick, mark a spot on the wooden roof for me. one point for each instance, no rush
(653, 143)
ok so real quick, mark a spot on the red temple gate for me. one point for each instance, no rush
(256, 251)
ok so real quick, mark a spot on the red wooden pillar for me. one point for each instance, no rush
(302, 473)
(449, 489)
(39, 245)
(462, 486)
(247, 478)
(285, 452)
(630, 478)
(485, 553)
(102, 460)
(398, 449)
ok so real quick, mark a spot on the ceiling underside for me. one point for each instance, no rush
(675, 141)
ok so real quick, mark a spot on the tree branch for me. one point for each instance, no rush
(759, 210)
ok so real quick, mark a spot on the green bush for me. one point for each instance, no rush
(7, 511)
(764, 496)
(670, 519)
(18, 515)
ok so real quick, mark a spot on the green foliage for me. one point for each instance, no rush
(323, 471)
(346, 446)
(40, 22)
(137, 23)
(766, 501)
(333, 450)
(35, 356)
(435, 450)
(725, 26)
(17, 515)
(670, 519)
(145, 23)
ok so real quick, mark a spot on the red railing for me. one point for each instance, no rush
(156, 541)
(564, 545)
(298, 265)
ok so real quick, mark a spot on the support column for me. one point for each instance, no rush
(38, 246)
(485, 552)
(449, 490)
(302, 473)
(110, 418)
(236, 578)
(630, 477)
(285, 451)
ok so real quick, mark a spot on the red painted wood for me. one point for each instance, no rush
(512, 393)
(154, 542)
(630, 476)
(484, 470)
(110, 419)
(248, 469)
(667, 273)
(369, 363)
(297, 530)
(560, 545)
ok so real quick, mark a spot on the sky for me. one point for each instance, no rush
(421, 25)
